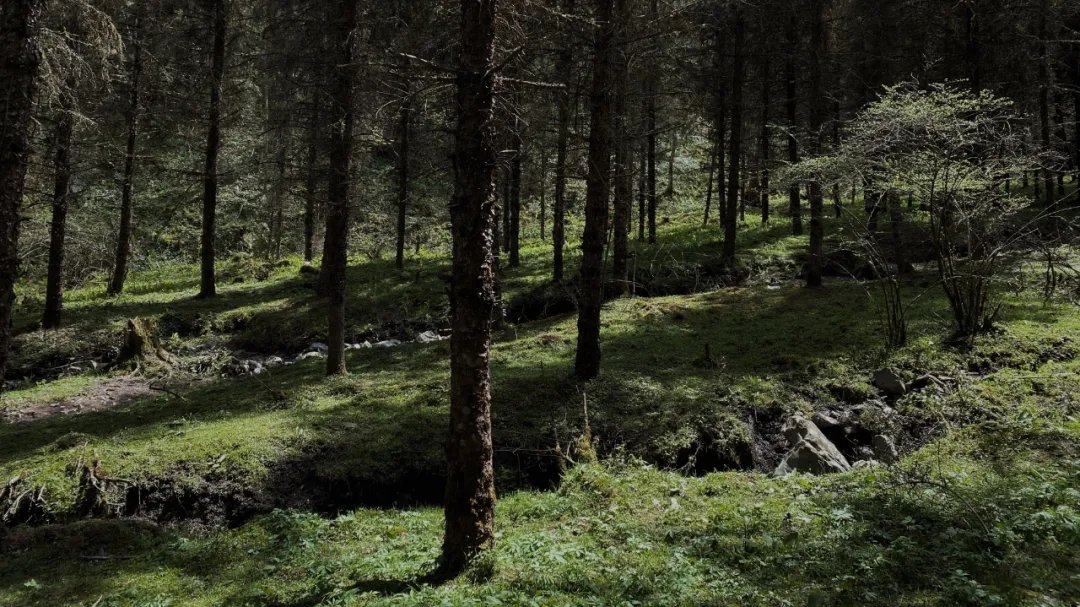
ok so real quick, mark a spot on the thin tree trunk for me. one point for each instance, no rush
(514, 203)
(650, 127)
(735, 153)
(404, 126)
(543, 192)
(670, 190)
(564, 64)
(123, 237)
(624, 176)
(311, 183)
(1076, 121)
(207, 284)
(790, 88)
(470, 483)
(709, 185)
(642, 195)
(20, 60)
(337, 214)
(838, 203)
(817, 114)
(54, 287)
(591, 296)
(1044, 99)
(766, 137)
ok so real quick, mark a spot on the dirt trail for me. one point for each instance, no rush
(110, 393)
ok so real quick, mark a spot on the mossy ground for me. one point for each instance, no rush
(983, 509)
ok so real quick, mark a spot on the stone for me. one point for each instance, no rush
(889, 382)
(868, 464)
(828, 419)
(884, 449)
(428, 337)
(274, 361)
(812, 452)
(389, 343)
(307, 355)
(318, 347)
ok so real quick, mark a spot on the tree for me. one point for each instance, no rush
(123, 237)
(791, 103)
(597, 193)
(337, 213)
(737, 76)
(564, 62)
(817, 194)
(470, 481)
(65, 125)
(624, 174)
(207, 284)
(20, 23)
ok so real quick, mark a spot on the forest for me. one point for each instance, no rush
(539, 302)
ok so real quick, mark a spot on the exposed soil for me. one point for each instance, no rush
(110, 393)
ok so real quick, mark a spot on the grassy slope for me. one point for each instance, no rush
(612, 533)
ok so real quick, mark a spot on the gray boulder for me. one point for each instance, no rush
(811, 451)
(889, 382)
(884, 449)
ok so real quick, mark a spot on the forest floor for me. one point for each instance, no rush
(242, 476)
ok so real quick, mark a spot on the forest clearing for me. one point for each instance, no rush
(517, 302)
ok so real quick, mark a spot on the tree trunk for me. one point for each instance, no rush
(766, 137)
(543, 192)
(709, 185)
(1044, 100)
(838, 203)
(337, 213)
(624, 175)
(642, 195)
(794, 205)
(591, 296)
(123, 237)
(19, 62)
(404, 126)
(514, 203)
(564, 63)
(470, 483)
(650, 127)
(1076, 121)
(670, 190)
(311, 183)
(54, 285)
(817, 115)
(207, 284)
(735, 153)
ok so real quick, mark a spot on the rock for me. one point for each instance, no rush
(319, 347)
(428, 337)
(884, 449)
(389, 343)
(866, 464)
(812, 451)
(274, 361)
(828, 419)
(889, 382)
(308, 355)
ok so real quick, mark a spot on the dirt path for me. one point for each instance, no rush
(110, 393)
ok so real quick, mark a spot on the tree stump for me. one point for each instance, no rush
(142, 346)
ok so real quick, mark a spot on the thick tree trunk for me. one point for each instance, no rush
(591, 295)
(470, 483)
(766, 137)
(337, 212)
(54, 284)
(404, 126)
(624, 170)
(735, 153)
(207, 284)
(19, 63)
(791, 88)
(123, 237)
(311, 184)
(817, 116)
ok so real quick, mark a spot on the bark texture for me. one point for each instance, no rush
(470, 482)
(19, 63)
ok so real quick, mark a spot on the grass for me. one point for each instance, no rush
(982, 510)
